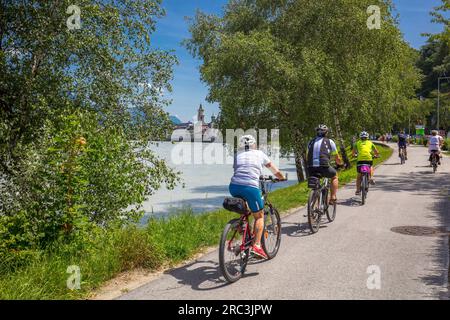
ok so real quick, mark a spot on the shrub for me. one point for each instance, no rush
(84, 174)
(446, 144)
(136, 249)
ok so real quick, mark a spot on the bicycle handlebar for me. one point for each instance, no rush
(272, 179)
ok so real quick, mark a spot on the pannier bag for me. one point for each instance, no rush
(235, 205)
(313, 183)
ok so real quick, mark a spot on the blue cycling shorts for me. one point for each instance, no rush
(252, 195)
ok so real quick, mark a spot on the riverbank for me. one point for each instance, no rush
(159, 245)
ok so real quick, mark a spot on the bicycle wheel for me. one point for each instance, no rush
(363, 189)
(232, 261)
(314, 214)
(331, 210)
(271, 238)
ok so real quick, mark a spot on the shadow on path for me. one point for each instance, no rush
(204, 275)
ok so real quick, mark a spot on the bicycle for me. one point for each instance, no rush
(434, 160)
(402, 156)
(237, 237)
(318, 202)
(365, 170)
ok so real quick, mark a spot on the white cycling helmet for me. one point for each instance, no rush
(247, 141)
(322, 130)
(364, 135)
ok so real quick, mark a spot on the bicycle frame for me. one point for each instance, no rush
(367, 176)
(245, 245)
(435, 158)
(246, 234)
(324, 187)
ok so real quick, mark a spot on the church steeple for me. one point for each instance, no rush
(201, 114)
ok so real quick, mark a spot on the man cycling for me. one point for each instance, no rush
(248, 167)
(320, 150)
(435, 144)
(365, 149)
(402, 144)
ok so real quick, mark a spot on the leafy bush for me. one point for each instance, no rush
(84, 174)
(394, 139)
(446, 144)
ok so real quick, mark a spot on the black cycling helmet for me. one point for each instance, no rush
(322, 130)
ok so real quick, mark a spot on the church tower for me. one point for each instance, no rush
(201, 114)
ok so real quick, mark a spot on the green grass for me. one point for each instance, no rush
(161, 243)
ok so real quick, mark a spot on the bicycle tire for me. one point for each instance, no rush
(331, 216)
(363, 189)
(274, 229)
(314, 223)
(231, 277)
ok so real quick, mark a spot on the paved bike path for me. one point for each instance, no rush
(334, 263)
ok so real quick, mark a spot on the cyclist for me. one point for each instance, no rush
(435, 144)
(402, 143)
(364, 149)
(320, 151)
(248, 167)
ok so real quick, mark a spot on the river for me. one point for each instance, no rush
(205, 185)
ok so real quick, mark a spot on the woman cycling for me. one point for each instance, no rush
(248, 167)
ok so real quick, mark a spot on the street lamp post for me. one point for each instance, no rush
(439, 100)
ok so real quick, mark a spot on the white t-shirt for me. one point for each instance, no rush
(248, 167)
(435, 142)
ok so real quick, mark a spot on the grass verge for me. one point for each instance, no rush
(48, 275)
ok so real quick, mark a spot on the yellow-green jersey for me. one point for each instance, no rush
(365, 150)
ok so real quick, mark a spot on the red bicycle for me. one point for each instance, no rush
(237, 237)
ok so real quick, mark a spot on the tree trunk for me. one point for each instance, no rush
(300, 156)
(299, 166)
(340, 139)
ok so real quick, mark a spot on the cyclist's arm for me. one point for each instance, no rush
(273, 168)
(354, 152)
(335, 153)
(338, 159)
(375, 151)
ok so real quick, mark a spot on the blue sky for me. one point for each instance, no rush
(189, 91)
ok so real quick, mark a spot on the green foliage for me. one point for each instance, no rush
(434, 62)
(86, 174)
(77, 111)
(446, 146)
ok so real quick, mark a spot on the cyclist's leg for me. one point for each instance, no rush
(255, 201)
(259, 227)
(358, 179)
(372, 170)
(372, 173)
(331, 173)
